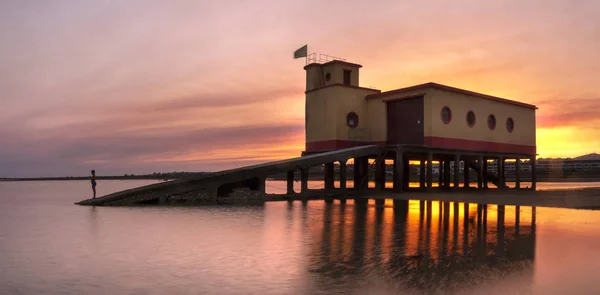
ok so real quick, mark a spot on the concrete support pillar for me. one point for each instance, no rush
(304, 179)
(456, 170)
(533, 174)
(364, 172)
(518, 173)
(399, 172)
(429, 170)
(406, 174)
(380, 173)
(379, 203)
(343, 175)
(361, 176)
(466, 174)
(422, 174)
(261, 184)
(485, 174)
(328, 176)
(447, 174)
(356, 174)
(501, 179)
(441, 174)
(480, 173)
(290, 182)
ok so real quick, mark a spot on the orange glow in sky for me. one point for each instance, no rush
(141, 87)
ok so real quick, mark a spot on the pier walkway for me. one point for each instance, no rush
(221, 183)
(249, 182)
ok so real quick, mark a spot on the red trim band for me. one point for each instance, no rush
(476, 145)
(433, 141)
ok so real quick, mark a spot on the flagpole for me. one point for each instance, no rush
(306, 57)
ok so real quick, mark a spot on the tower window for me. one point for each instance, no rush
(347, 74)
(510, 125)
(352, 120)
(446, 115)
(471, 119)
(492, 122)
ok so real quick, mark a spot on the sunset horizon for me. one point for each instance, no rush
(143, 87)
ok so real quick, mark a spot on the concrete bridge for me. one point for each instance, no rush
(226, 184)
(223, 183)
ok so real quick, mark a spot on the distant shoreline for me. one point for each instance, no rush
(158, 176)
(311, 177)
(78, 179)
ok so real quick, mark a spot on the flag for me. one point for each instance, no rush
(302, 52)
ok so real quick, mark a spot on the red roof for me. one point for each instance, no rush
(450, 89)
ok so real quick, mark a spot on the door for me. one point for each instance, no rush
(405, 121)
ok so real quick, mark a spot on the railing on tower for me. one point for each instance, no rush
(321, 58)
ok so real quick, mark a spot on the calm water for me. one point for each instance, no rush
(50, 246)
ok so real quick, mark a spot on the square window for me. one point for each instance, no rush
(347, 74)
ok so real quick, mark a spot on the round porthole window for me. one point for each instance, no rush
(446, 115)
(327, 77)
(510, 125)
(471, 119)
(492, 122)
(352, 120)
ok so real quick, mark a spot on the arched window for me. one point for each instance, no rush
(492, 122)
(510, 124)
(352, 120)
(471, 118)
(446, 115)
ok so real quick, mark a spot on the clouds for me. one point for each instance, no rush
(582, 112)
(147, 134)
(133, 151)
(143, 86)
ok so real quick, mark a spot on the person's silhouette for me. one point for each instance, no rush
(94, 183)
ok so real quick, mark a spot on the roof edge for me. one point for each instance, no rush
(344, 85)
(451, 89)
(332, 62)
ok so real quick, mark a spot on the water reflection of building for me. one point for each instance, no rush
(426, 246)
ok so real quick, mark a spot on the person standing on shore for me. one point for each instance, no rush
(94, 183)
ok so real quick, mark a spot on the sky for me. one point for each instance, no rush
(144, 86)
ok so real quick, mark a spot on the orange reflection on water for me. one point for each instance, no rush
(423, 236)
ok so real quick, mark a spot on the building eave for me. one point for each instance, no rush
(344, 85)
(333, 62)
(450, 89)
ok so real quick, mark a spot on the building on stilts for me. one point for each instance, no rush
(428, 125)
